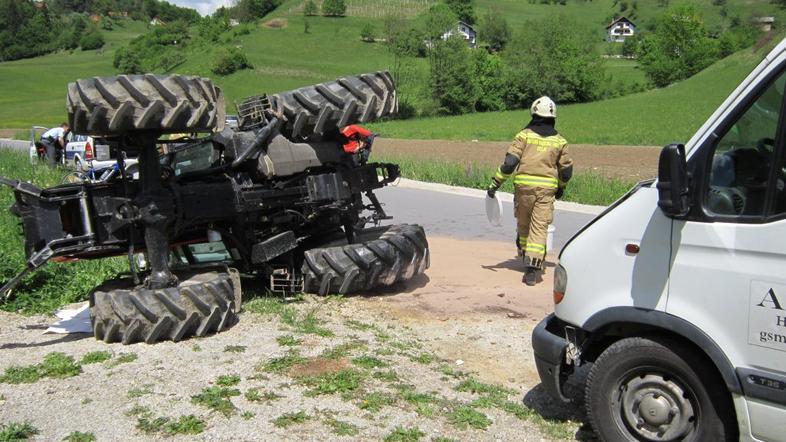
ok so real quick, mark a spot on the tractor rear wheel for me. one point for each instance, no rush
(327, 107)
(382, 257)
(158, 103)
(201, 304)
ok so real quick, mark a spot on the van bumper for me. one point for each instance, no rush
(549, 348)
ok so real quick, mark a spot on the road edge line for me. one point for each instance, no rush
(566, 206)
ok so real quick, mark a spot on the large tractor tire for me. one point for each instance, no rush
(201, 304)
(163, 104)
(326, 107)
(384, 256)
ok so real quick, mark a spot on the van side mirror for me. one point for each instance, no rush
(673, 181)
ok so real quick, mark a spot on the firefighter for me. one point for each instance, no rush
(54, 142)
(541, 167)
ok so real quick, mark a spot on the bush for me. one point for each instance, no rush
(452, 82)
(127, 61)
(229, 60)
(310, 8)
(91, 41)
(334, 8)
(678, 48)
(554, 57)
(367, 33)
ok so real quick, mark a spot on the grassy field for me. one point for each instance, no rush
(584, 188)
(287, 57)
(54, 284)
(653, 117)
(34, 89)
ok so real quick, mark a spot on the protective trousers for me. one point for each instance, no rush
(534, 209)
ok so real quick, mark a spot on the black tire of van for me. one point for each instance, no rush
(658, 376)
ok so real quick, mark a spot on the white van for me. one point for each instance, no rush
(677, 292)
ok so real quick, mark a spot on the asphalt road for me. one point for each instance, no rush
(464, 216)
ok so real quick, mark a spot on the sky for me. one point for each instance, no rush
(204, 7)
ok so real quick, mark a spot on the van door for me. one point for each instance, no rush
(728, 266)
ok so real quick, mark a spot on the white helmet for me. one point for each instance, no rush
(544, 107)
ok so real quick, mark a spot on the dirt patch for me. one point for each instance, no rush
(276, 23)
(318, 366)
(632, 163)
(472, 277)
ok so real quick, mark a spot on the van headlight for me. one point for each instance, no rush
(560, 283)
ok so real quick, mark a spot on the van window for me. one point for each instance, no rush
(743, 157)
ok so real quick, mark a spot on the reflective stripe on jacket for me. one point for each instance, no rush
(540, 159)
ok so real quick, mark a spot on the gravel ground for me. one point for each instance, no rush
(120, 401)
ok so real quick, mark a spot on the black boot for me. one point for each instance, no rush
(531, 276)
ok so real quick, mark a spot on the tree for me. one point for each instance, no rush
(555, 57)
(437, 21)
(494, 29)
(248, 11)
(451, 80)
(464, 10)
(310, 8)
(678, 48)
(334, 8)
(91, 40)
(229, 60)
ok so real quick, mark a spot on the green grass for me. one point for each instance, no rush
(344, 381)
(234, 349)
(78, 436)
(584, 188)
(343, 350)
(288, 341)
(34, 89)
(386, 376)
(401, 434)
(654, 117)
(282, 363)
(15, 431)
(124, 358)
(139, 392)
(368, 362)
(287, 58)
(466, 416)
(55, 365)
(227, 380)
(341, 428)
(95, 357)
(217, 399)
(55, 284)
(288, 419)
(254, 395)
(166, 426)
(375, 401)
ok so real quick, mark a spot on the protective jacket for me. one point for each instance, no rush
(540, 161)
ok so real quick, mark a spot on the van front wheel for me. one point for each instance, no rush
(657, 390)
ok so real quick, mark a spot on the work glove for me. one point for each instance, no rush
(493, 187)
(560, 191)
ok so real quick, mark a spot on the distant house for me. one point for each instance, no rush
(620, 29)
(40, 4)
(465, 31)
(233, 22)
(118, 13)
(764, 23)
(156, 21)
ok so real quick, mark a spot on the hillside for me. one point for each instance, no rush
(653, 117)
(285, 56)
(34, 89)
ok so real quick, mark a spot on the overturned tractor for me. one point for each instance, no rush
(276, 196)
